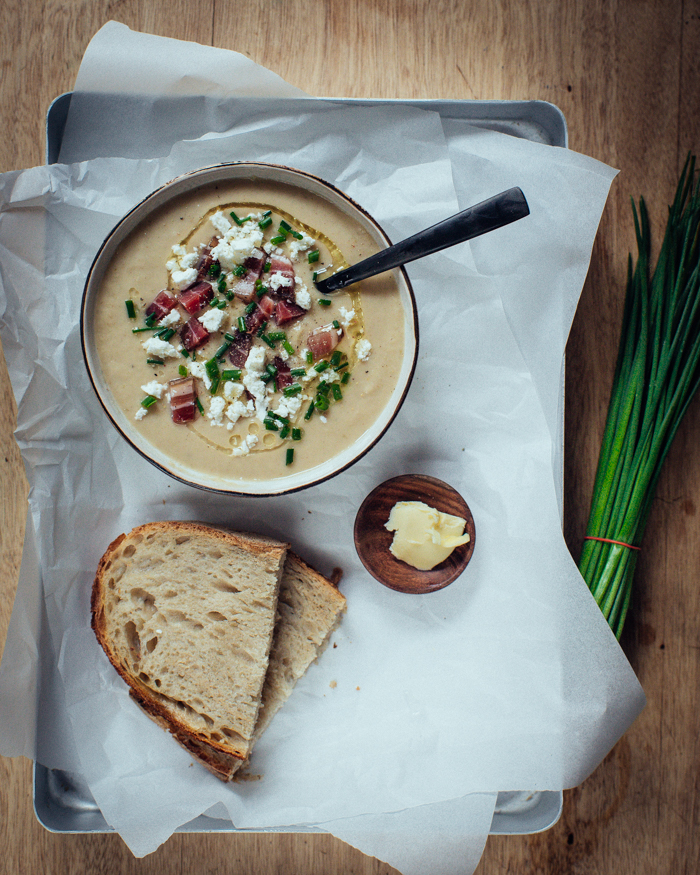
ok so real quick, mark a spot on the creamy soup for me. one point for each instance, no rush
(215, 342)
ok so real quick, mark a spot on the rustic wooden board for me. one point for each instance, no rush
(627, 76)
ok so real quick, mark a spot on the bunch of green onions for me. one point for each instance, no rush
(656, 376)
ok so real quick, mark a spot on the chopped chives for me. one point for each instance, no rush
(340, 367)
(214, 385)
(265, 223)
(183, 352)
(309, 356)
(139, 330)
(199, 405)
(298, 372)
(285, 431)
(314, 256)
(229, 295)
(165, 333)
(278, 335)
(280, 238)
(288, 346)
(241, 270)
(297, 235)
(130, 309)
(290, 456)
(230, 337)
(262, 328)
(335, 323)
(242, 327)
(292, 390)
(270, 424)
(346, 376)
(296, 434)
(261, 291)
(150, 320)
(236, 219)
(267, 266)
(267, 213)
(155, 361)
(266, 339)
(249, 309)
(148, 401)
(285, 225)
(272, 370)
(214, 269)
(278, 417)
(321, 366)
(337, 394)
(212, 368)
(323, 388)
(311, 408)
(182, 370)
(231, 374)
(336, 357)
(324, 302)
(222, 350)
(322, 403)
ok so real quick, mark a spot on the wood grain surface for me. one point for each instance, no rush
(626, 73)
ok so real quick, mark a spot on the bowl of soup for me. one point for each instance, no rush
(212, 351)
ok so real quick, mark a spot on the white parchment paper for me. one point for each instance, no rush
(509, 679)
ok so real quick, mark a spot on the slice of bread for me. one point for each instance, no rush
(186, 613)
(309, 609)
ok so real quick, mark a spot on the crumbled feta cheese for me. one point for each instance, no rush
(302, 295)
(346, 316)
(289, 407)
(171, 318)
(181, 279)
(182, 267)
(238, 243)
(212, 319)
(363, 349)
(221, 222)
(278, 280)
(256, 360)
(322, 418)
(215, 414)
(237, 410)
(197, 369)
(140, 413)
(232, 390)
(154, 346)
(248, 443)
(153, 388)
(298, 246)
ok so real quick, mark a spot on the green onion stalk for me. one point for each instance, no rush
(656, 376)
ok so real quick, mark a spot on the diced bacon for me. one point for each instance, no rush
(196, 296)
(206, 260)
(322, 341)
(183, 399)
(280, 264)
(263, 311)
(239, 349)
(193, 334)
(286, 311)
(284, 376)
(245, 287)
(161, 305)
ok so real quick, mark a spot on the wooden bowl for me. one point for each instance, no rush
(372, 539)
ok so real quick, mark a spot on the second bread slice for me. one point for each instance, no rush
(186, 613)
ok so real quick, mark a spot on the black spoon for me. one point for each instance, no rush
(497, 211)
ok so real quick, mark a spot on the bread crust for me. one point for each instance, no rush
(221, 759)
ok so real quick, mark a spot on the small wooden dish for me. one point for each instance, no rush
(372, 539)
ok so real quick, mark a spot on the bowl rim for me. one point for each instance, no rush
(230, 489)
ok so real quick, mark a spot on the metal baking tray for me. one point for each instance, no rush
(62, 801)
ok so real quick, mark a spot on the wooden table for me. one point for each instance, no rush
(626, 73)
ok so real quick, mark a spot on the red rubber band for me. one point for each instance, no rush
(610, 541)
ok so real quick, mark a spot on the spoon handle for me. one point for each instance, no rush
(497, 211)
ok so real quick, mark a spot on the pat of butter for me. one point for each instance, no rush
(424, 537)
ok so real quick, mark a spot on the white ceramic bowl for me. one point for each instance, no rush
(288, 480)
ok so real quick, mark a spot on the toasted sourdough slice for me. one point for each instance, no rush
(309, 609)
(186, 613)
